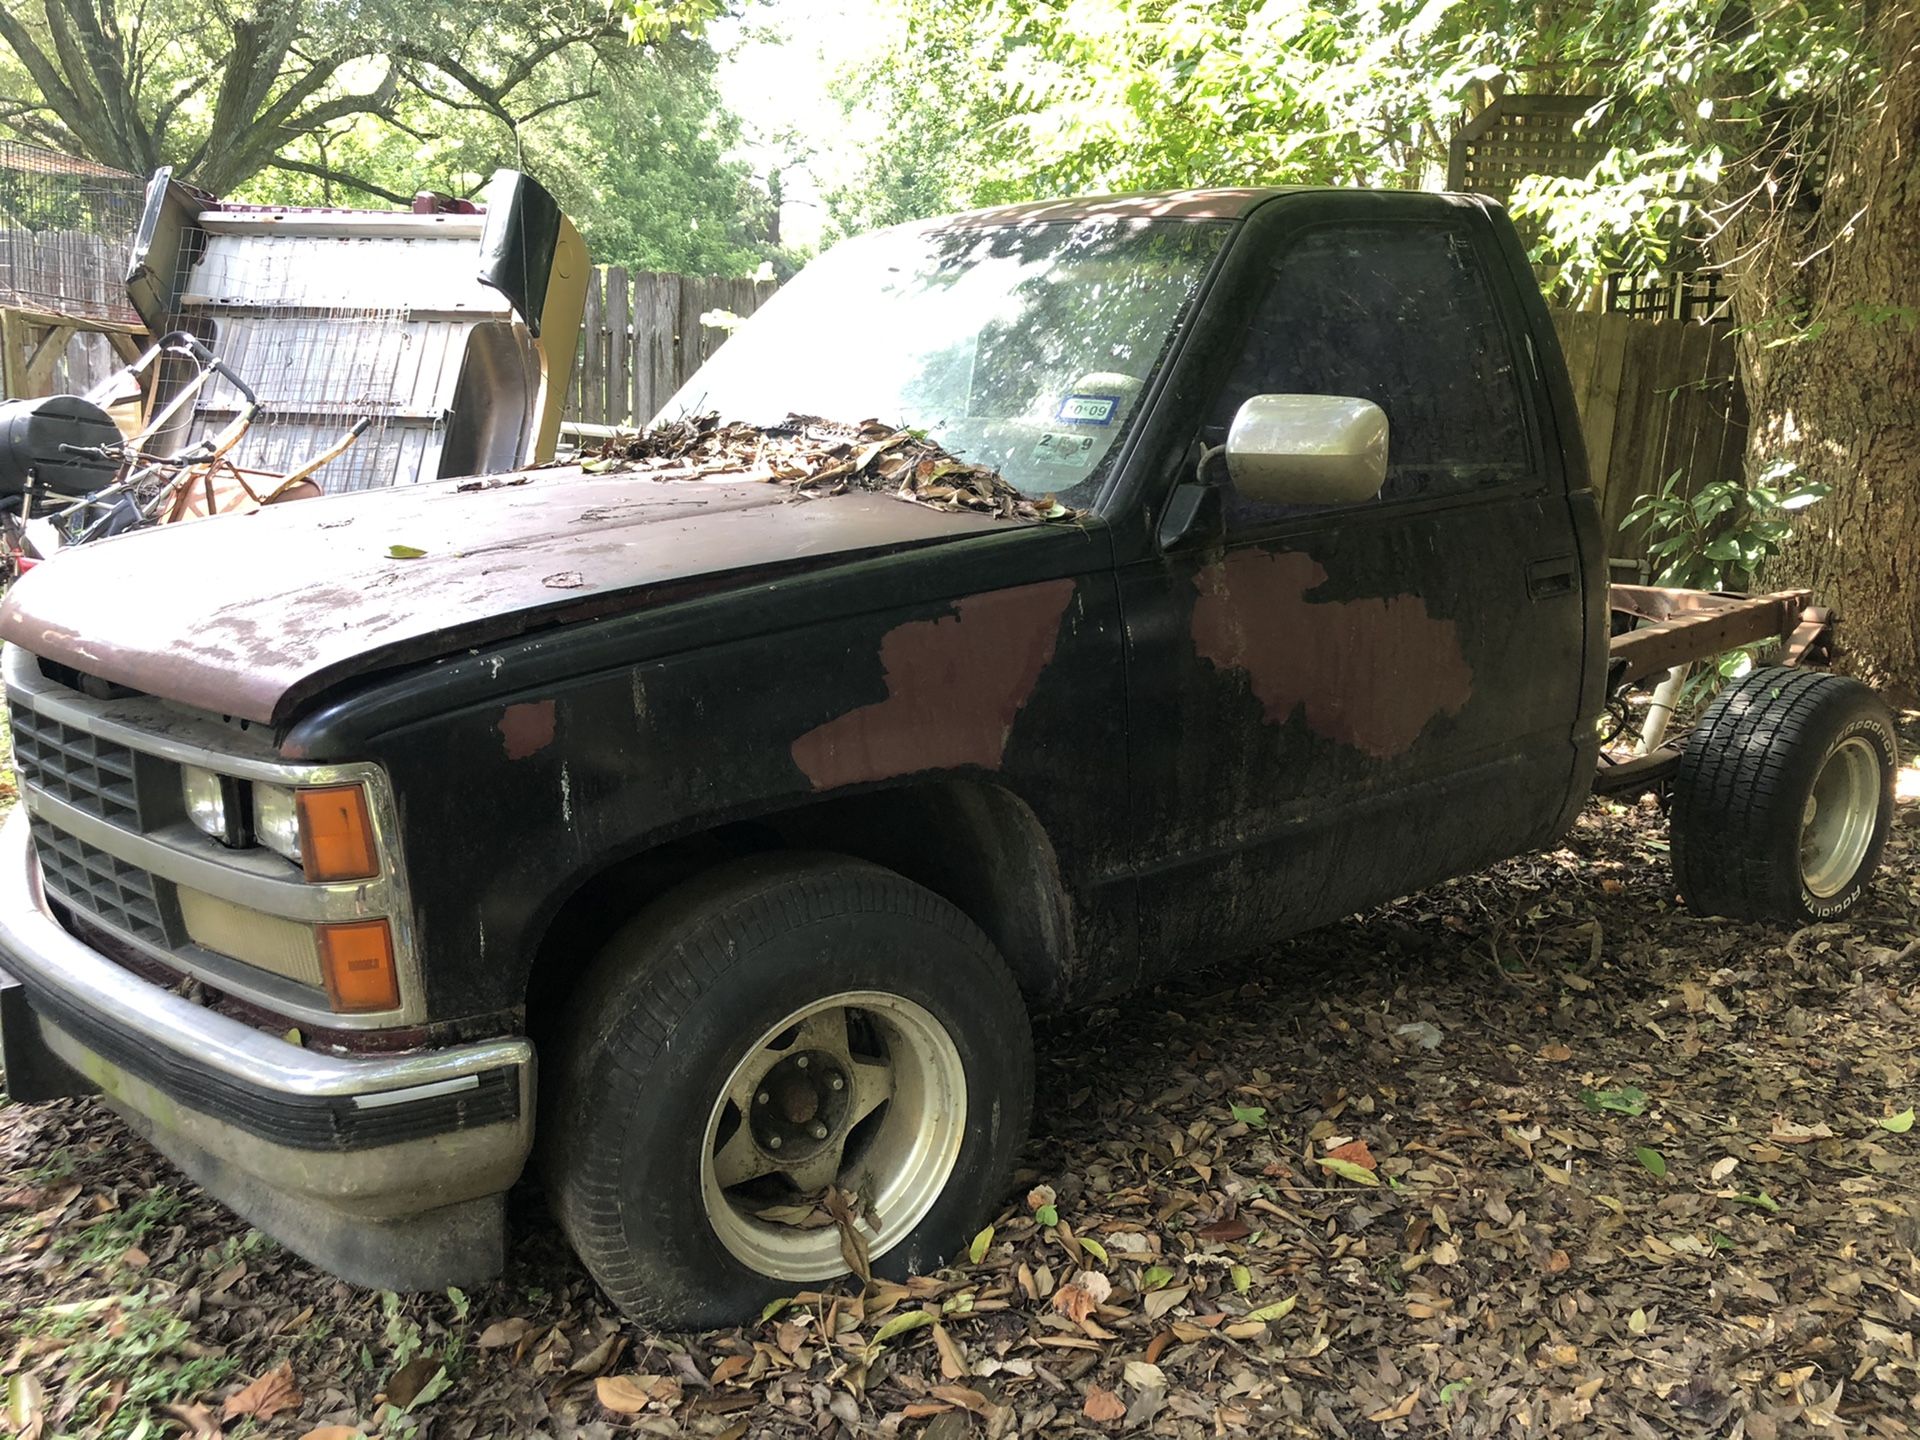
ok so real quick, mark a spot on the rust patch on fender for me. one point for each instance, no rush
(1369, 673)
(954, 686)
(527, 729)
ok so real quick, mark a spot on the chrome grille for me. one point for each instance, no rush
(98, 884)
(87, 772)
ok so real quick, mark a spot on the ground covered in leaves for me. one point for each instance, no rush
(1537, 1152)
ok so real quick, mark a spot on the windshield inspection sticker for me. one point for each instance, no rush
(1055, 449)
(1088, 409)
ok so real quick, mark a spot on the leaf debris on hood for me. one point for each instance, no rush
(815, 458)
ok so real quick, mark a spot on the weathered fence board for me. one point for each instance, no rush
(642, 338)
(88, 359)
(1656, 397)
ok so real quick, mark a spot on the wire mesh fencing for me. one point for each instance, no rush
(66, 234)
(325, 337)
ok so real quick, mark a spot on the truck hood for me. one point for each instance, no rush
(252, 615)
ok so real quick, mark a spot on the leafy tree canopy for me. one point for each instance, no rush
(1700, 102)
(342, 101)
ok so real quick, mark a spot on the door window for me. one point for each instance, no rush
(1402, 315)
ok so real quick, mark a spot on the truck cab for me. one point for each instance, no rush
(709, 846)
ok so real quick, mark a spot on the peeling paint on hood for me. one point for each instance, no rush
(252, 615)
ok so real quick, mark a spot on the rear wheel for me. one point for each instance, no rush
(1784, 796)
(782, 1039)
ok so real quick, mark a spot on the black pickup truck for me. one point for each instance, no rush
(732, 837)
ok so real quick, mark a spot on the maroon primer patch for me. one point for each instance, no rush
(527, 728)
(954, 686)
(1369, 673)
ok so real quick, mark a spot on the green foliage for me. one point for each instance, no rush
(132, 1341)
(1020, 98)
(323, 104)
(1622, 1100)
(1718, 537)
(1704, 99)
(105, 1239)
(1025, 98)
(640, 160)
(646, 170)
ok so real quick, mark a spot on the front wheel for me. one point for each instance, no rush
(783, 1040)
(1784, 797)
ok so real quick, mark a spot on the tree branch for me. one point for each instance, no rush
(337, 177)
(54, 91)
(572, 99)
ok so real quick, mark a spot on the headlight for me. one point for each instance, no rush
(206, 794)
(276, 820)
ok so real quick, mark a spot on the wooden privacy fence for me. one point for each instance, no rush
(1655, 397)
(642, 337)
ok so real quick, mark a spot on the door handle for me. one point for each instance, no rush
(1550, 577)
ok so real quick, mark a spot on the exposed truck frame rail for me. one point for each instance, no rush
(1673, 627)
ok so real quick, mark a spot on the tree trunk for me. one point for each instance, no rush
(1827, 291)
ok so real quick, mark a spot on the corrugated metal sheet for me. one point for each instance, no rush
(330, 322)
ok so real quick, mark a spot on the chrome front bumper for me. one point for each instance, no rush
(388, 1170)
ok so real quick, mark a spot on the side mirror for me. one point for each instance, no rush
(1308, 449)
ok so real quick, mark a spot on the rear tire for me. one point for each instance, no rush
(695, 1086)
(1783, 797)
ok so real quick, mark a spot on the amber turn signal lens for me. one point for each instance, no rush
(336, 833)
(356, 960)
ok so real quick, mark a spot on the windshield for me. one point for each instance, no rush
(1024, 348)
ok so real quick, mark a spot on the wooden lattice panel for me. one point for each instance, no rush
(1521, 135)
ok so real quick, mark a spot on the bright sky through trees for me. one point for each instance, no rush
(780, 60)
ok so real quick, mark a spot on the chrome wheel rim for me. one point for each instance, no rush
(862, 1090)
(1837, 824)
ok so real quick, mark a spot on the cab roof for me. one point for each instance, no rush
(1214, 203)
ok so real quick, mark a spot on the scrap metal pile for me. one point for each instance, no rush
(815, 458)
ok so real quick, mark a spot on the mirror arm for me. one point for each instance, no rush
(1194, 516)
(1208, 455)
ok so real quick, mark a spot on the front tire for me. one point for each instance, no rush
(1783, 797)
(781, 1024)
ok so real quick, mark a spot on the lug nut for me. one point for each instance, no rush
(836, 1083)
(773, 1142)
(819, 1132)
(801, 1063)
(762, 1098)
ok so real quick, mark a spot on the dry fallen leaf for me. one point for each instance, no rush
(966, 1397)
(1399, 1410)
(196, 1421)
(953, 1364)
(266, 1397)
(26, 1406)
(406, 1383)
(1355, 1152)
(630, 1394)
(845, 1210)
(1103, 1407)
(1788, 1132)
(504, 1332)
(1082, 1295)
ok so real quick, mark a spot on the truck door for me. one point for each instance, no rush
(1334, 706)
